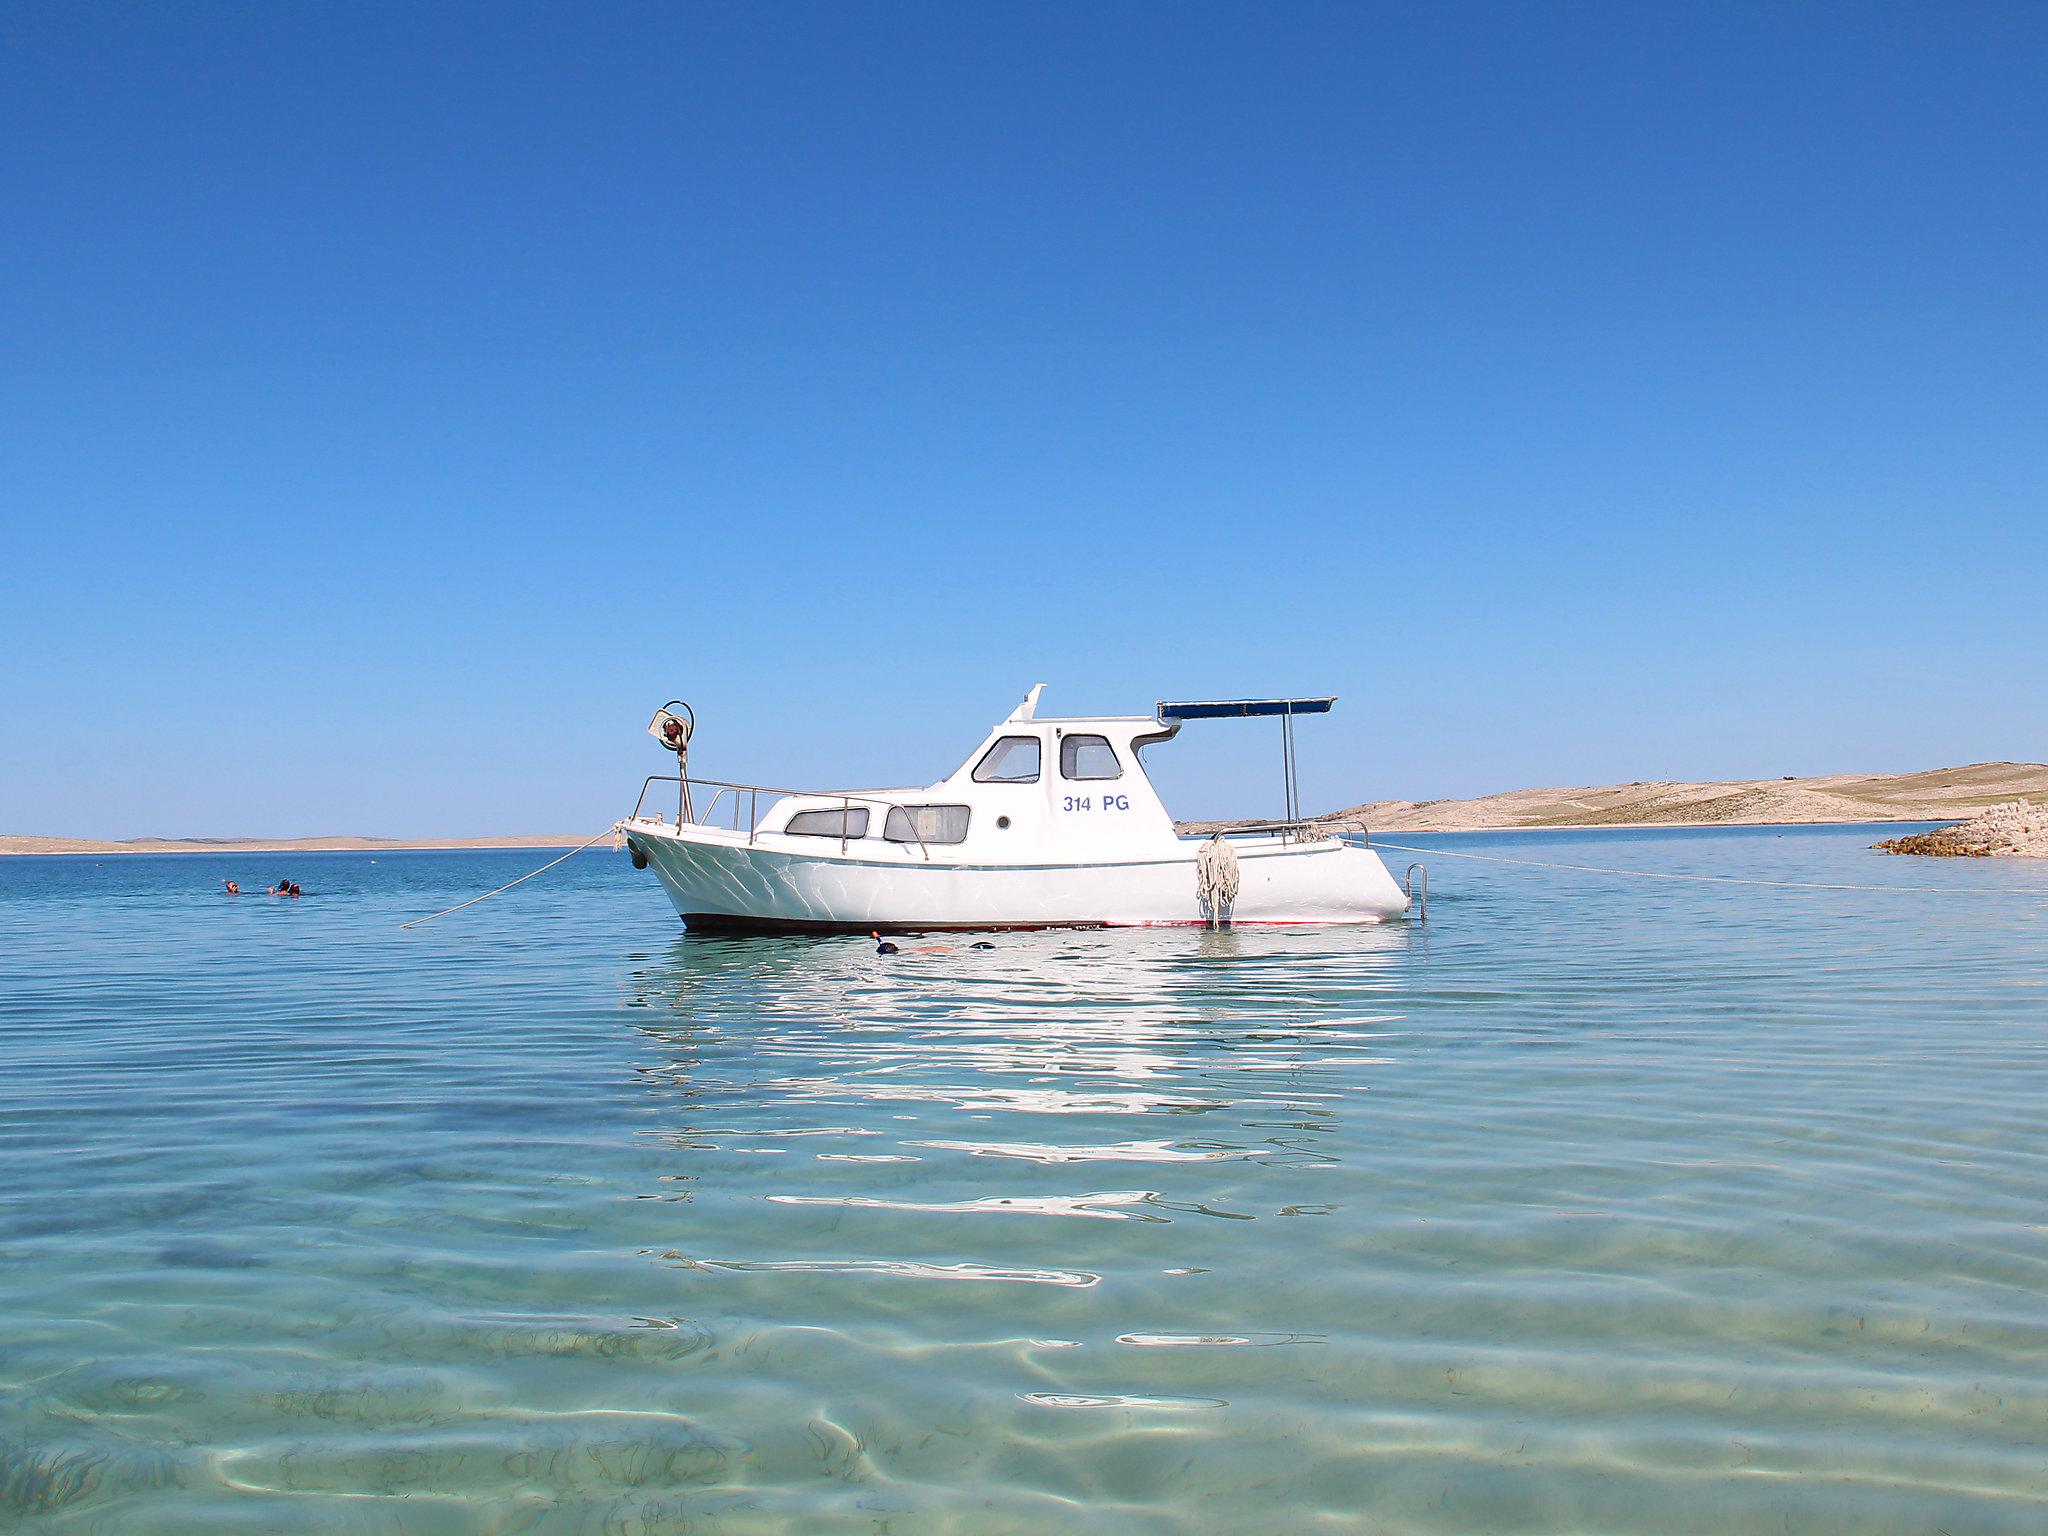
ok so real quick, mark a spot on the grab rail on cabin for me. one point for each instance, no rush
(687, 815)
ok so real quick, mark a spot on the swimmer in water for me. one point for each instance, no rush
(884, 947)
(233, 889)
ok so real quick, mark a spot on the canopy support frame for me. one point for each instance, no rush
(1244, 709)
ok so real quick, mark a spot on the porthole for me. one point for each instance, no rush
(1003, 821)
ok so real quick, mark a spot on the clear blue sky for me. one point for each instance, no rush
(399, 401)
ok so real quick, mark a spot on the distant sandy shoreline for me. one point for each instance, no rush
(1660, 826)
(59, 847)
(1344, 824)
(1836, 800)
(82, 847)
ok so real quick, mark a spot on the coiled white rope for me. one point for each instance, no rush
(1653, 874)
(1216, 880)
(609, 831)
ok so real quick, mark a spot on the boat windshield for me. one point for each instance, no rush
(1012, 760)
(1089, 757)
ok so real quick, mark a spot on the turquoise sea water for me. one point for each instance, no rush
(1592, 1206)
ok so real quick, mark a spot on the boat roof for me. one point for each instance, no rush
(1234, 709)
(1095, 720)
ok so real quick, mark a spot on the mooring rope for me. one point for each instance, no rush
(487, 895)
(1653, 874)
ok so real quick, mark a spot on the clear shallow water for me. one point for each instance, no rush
(1592, 1206)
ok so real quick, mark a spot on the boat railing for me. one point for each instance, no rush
(736, 797)
(1288, 831)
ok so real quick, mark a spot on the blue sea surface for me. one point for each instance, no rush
(1591, 1205)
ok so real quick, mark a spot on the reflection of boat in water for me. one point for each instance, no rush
(1225, 1046)
(1048, 823)
(828, 1114)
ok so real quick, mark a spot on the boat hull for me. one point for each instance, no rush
(721, 882)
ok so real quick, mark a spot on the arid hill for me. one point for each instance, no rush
(1942, 794)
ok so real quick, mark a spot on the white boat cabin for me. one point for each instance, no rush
(1035, 791)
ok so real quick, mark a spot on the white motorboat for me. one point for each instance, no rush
(1048, 823)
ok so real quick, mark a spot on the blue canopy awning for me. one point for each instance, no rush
(1235, 709)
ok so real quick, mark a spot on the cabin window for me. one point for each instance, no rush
(1013, 760)
(846, 823)
(926, 824)
(1089, 757)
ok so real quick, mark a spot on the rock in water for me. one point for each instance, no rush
(2016, 829)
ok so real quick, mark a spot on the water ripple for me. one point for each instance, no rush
(1585, 1207)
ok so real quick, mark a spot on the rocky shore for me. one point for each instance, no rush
(2015, 829)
